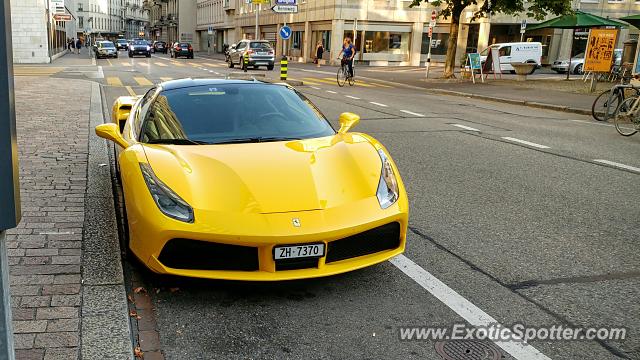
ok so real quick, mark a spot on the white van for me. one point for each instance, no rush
(526, 52)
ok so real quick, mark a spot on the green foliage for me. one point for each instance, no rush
(536, 9)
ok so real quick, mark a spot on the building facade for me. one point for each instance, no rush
(37, 37)
(386, 32)
(111, 19)
(173, 20)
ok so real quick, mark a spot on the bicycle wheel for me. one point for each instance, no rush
(604, 106)
(352, 81)
(625, 119)
(342, 76)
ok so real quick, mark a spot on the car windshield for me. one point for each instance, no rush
(259, 45)
(139, 42)
(120, 41)
(107, 44)
(232, 113)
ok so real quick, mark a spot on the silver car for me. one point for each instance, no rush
(105, 49)
(577, 63)
(260, 53)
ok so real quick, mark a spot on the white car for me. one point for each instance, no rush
(521, 52)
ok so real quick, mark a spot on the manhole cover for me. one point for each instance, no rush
(467, 350)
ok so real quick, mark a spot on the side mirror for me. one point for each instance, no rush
(111, 132)
(347, 121)
(233, 47)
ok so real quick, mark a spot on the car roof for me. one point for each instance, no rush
(186, 83)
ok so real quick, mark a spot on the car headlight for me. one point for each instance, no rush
(168, 201)
(148, 48)
(388, 191)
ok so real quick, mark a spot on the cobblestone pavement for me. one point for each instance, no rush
(49, 279)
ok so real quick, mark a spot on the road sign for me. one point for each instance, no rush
(57, 6)
(434, 17)
(285, 32)
(523, 26)
(285, 8)
(286, 2)
(62, 17)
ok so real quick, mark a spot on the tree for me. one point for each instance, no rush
(537, 9)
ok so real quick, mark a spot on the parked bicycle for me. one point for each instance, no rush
(344, 75)
(605, 105)
(627, 116)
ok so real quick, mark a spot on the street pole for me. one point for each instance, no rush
(429, 53)
(257, 35)
(9, 182)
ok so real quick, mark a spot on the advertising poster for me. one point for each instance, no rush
(600, 48)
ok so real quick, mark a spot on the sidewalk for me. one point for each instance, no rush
(68, 297)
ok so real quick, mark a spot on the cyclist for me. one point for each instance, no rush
(348, 52)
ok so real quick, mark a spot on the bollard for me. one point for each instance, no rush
(246, 61)
(283, 68)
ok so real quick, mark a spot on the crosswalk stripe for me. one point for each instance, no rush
(142, 81)
(194, 64)
(381, 85)
(321, 80)
(126, 64)
(177, 63)
(130, 91)
(166, 78)
(213, 65)
(160, 64)
(310, 82)
(358, 82)
(114, 81)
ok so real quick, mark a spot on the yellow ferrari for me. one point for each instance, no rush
(244, 180)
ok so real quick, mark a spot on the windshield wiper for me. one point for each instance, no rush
(257, 139)
(176, 142)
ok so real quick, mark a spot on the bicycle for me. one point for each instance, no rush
(608, 101)
(343, 75)
(628, 113)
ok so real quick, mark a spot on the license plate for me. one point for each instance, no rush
(262, 63)
(298, 251)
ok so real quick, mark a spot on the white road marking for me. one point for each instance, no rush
(375, 103)
(211, 71)
(465, 127)
(352, 97)
(525, 142)
(591, 122)
(412, 113)
(217, 73)
(315, 87)
(622, 166)
(56, 233)
(331, 92)
(463, 307)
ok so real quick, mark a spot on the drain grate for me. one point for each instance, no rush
(467, 350)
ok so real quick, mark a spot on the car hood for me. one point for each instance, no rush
(270, 177)
(140, 46)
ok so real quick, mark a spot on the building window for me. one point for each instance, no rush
(296, 39)
(438, 43)
(386, 42)
(81, 22)
(326, 39)
(80, 7)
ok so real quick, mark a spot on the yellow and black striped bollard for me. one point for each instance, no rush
(246, 61)
(283, 68)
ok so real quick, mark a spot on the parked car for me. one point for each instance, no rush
(122, 44)
(105, 49)
(182, 49)
(260, 53)
(316, 214)
(139, 47)
(160, 46)
(522, 52)
(150, 43)
(577, 63)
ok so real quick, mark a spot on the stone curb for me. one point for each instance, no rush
(105, 327)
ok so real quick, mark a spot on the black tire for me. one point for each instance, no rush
(231, 65)
(148, 55)
(601, 109)
(116, 56)
(623, 123)
(130, 55)
(270, 67)
(341, 77)
(578, 70)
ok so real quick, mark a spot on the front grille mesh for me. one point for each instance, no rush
(382, 238)
(203, 255)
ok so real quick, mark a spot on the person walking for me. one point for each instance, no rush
(72, 45)
(319, 52)
(78, 46)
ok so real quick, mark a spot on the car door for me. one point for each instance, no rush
(505, 58)
(239, 51)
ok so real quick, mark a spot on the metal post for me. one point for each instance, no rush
(283, 68)
(429, 53)
(9, 182)
(256, 9)
(284, 43)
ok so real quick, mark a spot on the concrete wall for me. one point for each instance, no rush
(29, 34)
(187, 19)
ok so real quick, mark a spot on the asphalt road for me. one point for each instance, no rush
(529, 215)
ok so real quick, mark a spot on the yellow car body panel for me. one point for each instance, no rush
(248, 194)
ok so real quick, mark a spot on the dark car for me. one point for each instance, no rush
(160, 46)
(122, 44)
(139, 47)
(182, 49)
(105, 49)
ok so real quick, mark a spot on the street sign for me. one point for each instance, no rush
(434, 17)
(286, 2)
(285, 32)
(285, 9)
(62, 17)
(260, 1)
(523, 26)
(57, 6)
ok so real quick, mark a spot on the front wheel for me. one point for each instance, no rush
(625, 120)
(231, 64)
(269, 67)
(578, 70)
(604, 105)
(341, 76)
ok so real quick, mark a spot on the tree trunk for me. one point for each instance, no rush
(452, 45)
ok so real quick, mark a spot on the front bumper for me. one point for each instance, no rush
(559, 67)
(183, 53)
(111, 54)
(258, 61)
(151, 231)
(139, 52)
